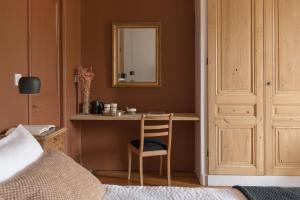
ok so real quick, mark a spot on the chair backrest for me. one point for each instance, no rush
(163, 129)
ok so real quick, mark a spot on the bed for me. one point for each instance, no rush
(55, 176)
(26, 172)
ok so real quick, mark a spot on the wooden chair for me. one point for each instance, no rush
(150, 144)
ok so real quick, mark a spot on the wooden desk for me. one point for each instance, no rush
(128, 117)
(78, 118)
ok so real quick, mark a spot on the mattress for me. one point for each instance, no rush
(170, 193)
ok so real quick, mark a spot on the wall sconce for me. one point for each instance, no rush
(29, 85)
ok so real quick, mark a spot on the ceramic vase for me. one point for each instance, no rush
(85, 90)
(86, 104)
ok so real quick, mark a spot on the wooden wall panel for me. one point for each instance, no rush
(71, 59)
(13, 59)
(45, 60)
(235, 71)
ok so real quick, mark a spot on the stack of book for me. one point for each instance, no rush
(36, 130)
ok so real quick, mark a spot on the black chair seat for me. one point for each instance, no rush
(150, 144)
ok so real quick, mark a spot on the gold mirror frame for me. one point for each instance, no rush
(115, 45)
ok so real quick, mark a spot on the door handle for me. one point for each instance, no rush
(268, 83)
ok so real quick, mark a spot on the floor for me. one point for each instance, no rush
(181, 179)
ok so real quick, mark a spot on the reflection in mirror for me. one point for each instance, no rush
(136, 55)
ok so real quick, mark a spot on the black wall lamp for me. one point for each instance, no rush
(29, 85)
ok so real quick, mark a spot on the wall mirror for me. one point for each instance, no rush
(136, 54)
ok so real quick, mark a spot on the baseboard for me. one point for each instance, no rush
(202, 178)
(282, 181)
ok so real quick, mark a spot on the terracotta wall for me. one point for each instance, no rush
(104, 144)
(13, 59)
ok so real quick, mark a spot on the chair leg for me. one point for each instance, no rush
(129, 163)
(169, 170)
(141, 170)
(161, 165)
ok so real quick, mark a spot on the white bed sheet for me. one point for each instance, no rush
(170, 193)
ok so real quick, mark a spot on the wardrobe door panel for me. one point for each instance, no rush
(235, 48)
(231, 139)
(45, 54)
(235, 53)
(287, 45)
(287, 146)
(282, 87)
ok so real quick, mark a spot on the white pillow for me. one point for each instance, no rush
(17, 151)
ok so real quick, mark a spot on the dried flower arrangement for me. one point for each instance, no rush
(85, 76)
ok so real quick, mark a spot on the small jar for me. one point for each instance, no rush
(106, 108)
(113, 108)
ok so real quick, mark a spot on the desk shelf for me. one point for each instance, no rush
(128, 117)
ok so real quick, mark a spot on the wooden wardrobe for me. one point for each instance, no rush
(254, 87)
(30, 43)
